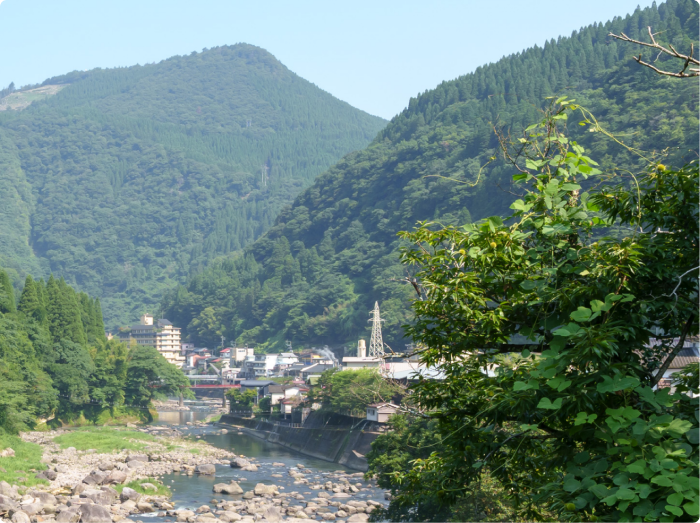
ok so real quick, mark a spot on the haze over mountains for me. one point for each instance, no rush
(315, 275)
(124, 181)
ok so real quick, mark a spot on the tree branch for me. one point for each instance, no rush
(669, 359)
(671, 51)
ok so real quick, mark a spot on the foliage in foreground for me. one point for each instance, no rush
(543, 334)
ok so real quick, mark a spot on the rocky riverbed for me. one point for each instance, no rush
(88, 486)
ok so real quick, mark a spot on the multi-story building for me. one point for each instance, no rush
(162, 335)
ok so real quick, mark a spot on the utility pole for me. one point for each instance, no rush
(376, 344)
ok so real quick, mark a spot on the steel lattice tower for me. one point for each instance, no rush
(376, 344)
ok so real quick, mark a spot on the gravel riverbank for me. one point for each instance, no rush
(89, 486)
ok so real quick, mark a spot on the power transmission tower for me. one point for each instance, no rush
(376, 344)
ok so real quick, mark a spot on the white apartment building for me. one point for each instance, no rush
(163, 336)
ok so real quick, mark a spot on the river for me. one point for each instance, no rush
(190, 492)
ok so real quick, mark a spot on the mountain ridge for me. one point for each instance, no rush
(140, 175)
(314, 276)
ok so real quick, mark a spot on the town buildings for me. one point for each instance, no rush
(161, 335)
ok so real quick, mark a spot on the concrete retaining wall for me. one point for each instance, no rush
(345, 442)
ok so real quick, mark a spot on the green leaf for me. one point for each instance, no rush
(530, 385)
(618, 383)
(599, 490)
(638, 466)
(692, 508)
(693, 436)
(675, 499)
(625, 494)
(546, 403)
(662, 481)
(674, 510)
(582, 457)
(610, 500)
(571, 485)
(581, 314)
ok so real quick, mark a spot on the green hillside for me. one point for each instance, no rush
(123, 181)
(315, 275)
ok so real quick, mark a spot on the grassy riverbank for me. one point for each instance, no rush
(104, 439)
(25, 463)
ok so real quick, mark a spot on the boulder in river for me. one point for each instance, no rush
(206, 469)
(358, 518)
(228, 488)
(93, 513)
(261, 490)
(239, 463)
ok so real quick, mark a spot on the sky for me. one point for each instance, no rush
(375, 55)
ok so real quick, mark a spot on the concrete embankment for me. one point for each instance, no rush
(335, 438)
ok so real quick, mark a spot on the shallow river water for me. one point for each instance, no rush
(193, 491)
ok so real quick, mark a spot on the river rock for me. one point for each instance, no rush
(46, 474)
(229, 516)
(261, 489)
(105, 466)
(115, 477)
(32, 509)
(324, 495)
(129, 494)
(184, 515)
(142, 506)
(239, 463)
(94, 478)
(137, 457)
(135, 464)
(92, 513)
(44, 497)
(248, 495)
(206, 469)
(272, 514)
(228, 488)
(202, 509)
(7, 490)
(80, 487)
(148, 486)
(358, 518)
(97, 496)
(7, 453)
(20, 517)
(250, 468)
(68, 516)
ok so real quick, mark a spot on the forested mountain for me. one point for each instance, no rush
(123, 181)
(315, 275)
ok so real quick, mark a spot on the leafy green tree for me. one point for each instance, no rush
(265, 405)
(7, 294)
(542, 326)
(150, 376)
(352, 390)
(30, 300)
(241, 400)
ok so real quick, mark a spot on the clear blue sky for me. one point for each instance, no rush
(373, 54)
